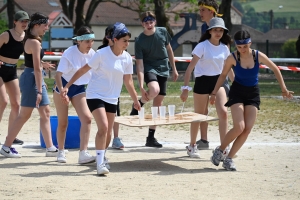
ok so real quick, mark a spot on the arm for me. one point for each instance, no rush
(140, 73)
(230, 61)
(187, 77)
(78, 74)
(4, 37)
(48, 65)
(265, 60)
(231, 75)
(128, 82)
(172, 62)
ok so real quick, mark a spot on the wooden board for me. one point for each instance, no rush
(181, 118)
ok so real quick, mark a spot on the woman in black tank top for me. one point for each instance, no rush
(11, 47)
(33, 89)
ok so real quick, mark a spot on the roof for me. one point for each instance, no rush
(280, 35)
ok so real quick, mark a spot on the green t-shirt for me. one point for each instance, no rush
(152, 49)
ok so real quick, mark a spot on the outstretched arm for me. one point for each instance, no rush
(128, 82)
(172, 62)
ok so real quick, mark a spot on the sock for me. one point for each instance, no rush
(100, 156)
(151, 133)
(141, 102)
(52, 148)
(204, 141)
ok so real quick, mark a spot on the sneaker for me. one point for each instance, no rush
(106, 163)
(117, 144)
(134, 111)
(85, 157)
(17, 141)
(216, 157)
(192, 151)
(225, 152)
(229, 165)
(152, 142)
(202, 145)
(51, 153)
(61, 157)
(10, 152)
(101, 169)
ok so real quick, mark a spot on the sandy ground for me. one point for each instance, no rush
(268, 168)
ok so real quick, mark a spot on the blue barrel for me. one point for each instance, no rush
(72, 136)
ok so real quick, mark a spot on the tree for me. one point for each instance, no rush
(162, 19)
(3, 25)
(225, 9)
(289, 48)
(10, 12)
(298, 47)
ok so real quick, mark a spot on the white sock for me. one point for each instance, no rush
(53, 148)
(100, 156)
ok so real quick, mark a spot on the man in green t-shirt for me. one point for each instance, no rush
(153, 52)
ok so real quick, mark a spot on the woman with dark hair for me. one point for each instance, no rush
(11, 47)
(117, 143)
(111, 66)
(72, 60)
(33, 88)
(208, 60)
(244, 98)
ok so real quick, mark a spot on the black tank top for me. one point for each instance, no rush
(28, 58)
(13, 49)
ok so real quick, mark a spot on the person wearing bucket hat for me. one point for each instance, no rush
(117, 143)
(207, 63)
(111, 66)
(11, 47)
(33, 88)
(244, 97)
(72, 60)
(153, 53)
(208, 10)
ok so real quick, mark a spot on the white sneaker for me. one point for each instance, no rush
(106, 163)
(85, 157)
(192, 151)
(61, 157)
(51, 153)
(225, 152)
(101, 169)
(10, 152)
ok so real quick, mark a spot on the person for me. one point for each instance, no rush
(207, 63)
(73, 59)
(208, 10)
(244, 97)
(33, 89)
(111, 66)
(11, 47)
(117, 143)
(152, 53)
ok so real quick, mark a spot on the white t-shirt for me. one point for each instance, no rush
(212, 58)
(71, 61)
(107, 75)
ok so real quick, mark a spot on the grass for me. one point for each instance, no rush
(266, 5)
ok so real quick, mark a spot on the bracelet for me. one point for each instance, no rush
(213, 94)
(185, 88)
(39, 93)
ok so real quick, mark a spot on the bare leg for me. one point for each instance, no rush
(3, 98)
(222, 112)
(44, 112)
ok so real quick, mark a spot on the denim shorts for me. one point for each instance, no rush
(73, 89)
(29, 91)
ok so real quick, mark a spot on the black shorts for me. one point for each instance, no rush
(118, 108)
(162, 82)
(205, 84)
(8, 73)
(243, 94)
(94, 104)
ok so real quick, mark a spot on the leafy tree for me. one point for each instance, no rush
(238, 6)
(3, 25)
(289, 48)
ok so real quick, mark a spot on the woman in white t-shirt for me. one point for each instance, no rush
(71, 61)
(208, 60)
(110, 66)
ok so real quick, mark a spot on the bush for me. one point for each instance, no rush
(289, 49)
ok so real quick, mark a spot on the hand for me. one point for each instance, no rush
(184, 95)
(1, 63)
(212, 99)
(38, 100)
(137, 105)
(174, 75)
(48, 65)
(65, 100)
(144, 94)
(64, 92)
(287, 94)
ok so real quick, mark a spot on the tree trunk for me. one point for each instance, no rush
(10, 13)
(161, 18)
(225, 9)
(92, 7)
(80, 18)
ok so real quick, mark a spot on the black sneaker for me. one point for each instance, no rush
(134, 111)
(152, 142)
(17, 141)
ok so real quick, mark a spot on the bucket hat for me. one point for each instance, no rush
(217, 22)
(21, 15)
